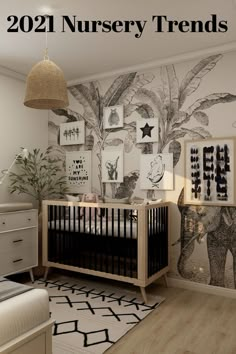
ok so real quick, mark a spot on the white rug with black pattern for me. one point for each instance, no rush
(91, 316)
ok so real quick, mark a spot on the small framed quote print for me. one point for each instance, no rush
(209, 171)
(78, 171)
(72, 133)
(113, 117)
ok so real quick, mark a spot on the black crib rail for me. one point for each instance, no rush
(157, 239)
(101, 239)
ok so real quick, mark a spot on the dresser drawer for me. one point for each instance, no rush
(18, 220)
(21, 259)
(11, 242)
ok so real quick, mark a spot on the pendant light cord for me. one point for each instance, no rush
(46, 57)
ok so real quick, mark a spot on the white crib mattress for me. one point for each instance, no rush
(22, 313)
(106, 230)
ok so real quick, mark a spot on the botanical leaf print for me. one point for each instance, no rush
(139, 81)
(175, 149)
(201, 117)
(209, 101)
(198, 132)
(119, 85)
(193, 78)
(170, 89)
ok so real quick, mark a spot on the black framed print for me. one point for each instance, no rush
(209, 171)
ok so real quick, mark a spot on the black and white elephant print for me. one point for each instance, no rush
(219, 225)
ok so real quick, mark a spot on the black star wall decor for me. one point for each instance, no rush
(147, 130)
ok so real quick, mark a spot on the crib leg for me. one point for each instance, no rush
(144, 295)
(165, 280)
(31, 275)
(46, 273)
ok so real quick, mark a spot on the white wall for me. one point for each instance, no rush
(19, 127)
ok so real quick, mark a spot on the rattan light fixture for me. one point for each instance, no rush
(46, 86)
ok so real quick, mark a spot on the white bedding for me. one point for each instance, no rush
(23, 312)
(78, 225)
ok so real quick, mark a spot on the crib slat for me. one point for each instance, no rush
(118, 219)
(64, 243)
(78, 244)
(60, 236)
(106, 248)
(125, 259)
(101, 238)
(131, 237)
(89, 210)
(112, 241)
(55, 233)
(83, 257)
(96, 237)
(156, 265)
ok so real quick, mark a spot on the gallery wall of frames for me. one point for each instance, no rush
(156, 170)
(162, 133)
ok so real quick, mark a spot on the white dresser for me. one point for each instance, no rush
(18, 241)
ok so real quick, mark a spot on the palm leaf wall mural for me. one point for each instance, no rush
(121, 91)
(168, 102)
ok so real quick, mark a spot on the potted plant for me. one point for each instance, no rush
(42, 176)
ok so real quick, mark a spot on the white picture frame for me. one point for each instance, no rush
(78, 171)
(113, 117)
(112, 166)
(147, 130)
(156, 171)
(72, 133)
(209, 171)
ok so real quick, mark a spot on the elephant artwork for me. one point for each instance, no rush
(218, 223)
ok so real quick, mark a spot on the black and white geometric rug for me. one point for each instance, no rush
(90, 317)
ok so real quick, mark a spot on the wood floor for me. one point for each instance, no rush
(187, 322)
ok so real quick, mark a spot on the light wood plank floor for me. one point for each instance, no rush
(187, 322)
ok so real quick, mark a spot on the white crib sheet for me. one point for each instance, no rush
(21, 313)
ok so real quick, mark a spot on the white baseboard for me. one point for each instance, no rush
(204, 288)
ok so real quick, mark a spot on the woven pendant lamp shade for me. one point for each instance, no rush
(46, 87)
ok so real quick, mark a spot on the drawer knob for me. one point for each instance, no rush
(3, 223)
(17, 260)
(29, 219)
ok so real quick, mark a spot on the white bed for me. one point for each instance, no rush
(25, 326)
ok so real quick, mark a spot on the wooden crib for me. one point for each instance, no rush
(117, 241)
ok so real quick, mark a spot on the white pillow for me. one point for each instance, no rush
(154, 201)
(72, 198)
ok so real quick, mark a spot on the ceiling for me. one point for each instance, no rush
(88, 54)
